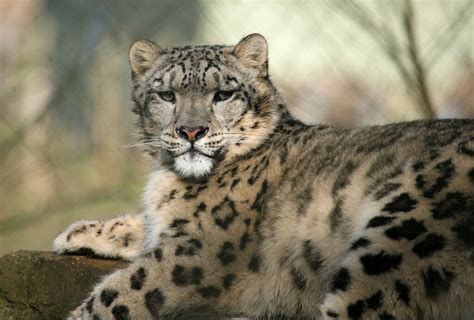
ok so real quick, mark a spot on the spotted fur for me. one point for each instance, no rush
(248, 211)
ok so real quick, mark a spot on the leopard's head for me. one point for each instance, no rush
(200, 105)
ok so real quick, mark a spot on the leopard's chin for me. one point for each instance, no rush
(193, 164)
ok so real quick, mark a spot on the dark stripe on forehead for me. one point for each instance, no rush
(182, 65)
(168, 69)
(172, 76)
(231, 78)
(211, 64)
(216, 77)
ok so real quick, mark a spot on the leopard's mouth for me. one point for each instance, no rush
(194, 164)
(193, 153)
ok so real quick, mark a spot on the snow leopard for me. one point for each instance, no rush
(250, 212)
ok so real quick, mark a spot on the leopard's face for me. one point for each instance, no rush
(200, 105)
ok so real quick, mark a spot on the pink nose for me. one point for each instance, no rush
(192, 134)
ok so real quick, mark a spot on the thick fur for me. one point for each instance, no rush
(282, 219)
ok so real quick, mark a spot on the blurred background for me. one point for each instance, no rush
(66, 149)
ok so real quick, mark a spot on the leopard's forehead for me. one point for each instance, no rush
(197, 68)
(197, 53)
(199, 48)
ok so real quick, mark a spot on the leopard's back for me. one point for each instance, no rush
(385, 213)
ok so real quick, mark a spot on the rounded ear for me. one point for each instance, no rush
(142, 54)
(252, 50)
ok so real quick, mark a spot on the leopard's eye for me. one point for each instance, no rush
(167, 96)
(223, 96)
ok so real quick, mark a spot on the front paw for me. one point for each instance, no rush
(76, 238)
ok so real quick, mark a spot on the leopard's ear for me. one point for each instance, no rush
(252, 51)
(142, 55)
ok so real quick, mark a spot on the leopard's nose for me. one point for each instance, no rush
(192, 134)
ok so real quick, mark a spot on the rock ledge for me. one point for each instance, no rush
(43, 285)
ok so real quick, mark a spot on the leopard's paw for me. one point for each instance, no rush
(78, 314)
(76, 238)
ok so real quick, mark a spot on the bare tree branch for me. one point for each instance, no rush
(411, 68)
(458, 21)
(422, 92)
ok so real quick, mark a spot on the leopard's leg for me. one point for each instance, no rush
(412, 258)
(413, 268)
(122, 237)
(425, 291)
(181, 274)
(357, 295)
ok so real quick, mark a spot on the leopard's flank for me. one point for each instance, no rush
(248, 211)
